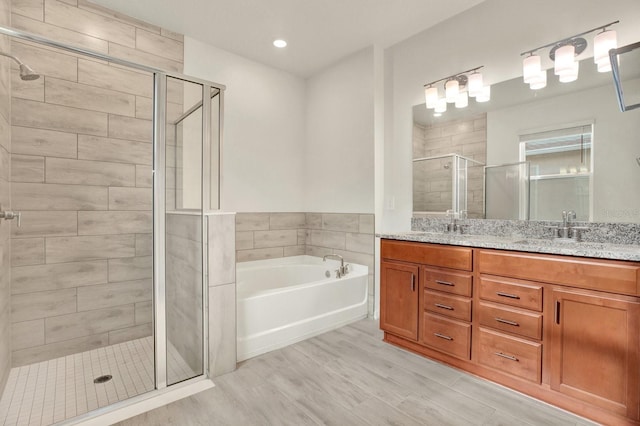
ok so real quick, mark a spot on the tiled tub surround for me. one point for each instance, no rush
(5, 197)
(606, 240)
(431, 181)
(271, 235)
(81, 175)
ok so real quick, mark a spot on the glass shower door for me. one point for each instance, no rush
(184, 267)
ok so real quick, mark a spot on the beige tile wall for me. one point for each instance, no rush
(431, 180)
(184, 288)
(272, 235)
(81, 162)
(5, 197)
(222, 293)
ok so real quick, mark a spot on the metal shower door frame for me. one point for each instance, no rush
(159, 186)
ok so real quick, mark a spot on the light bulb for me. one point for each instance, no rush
(279, 43)
(602, 43)
(437, 114)
(441, 106)
(462, 100)
(540, 82)
(475, 84)
(565, 59)
(451, 89)
(485, 96)
(531, 68)
(431, 96)
(568, 77)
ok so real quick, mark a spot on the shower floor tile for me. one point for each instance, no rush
(59, 389)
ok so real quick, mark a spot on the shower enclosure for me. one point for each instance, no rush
(447, 182)
(114, 168)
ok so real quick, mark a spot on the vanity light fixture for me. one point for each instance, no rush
(458, 88)
(564, 52)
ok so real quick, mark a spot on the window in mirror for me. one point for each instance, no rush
(560, 171)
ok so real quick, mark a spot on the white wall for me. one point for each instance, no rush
(264, 122)
(493, 34)
(339, 157)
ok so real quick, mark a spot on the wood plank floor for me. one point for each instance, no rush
(350, 377)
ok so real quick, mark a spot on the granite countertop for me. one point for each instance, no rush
(520, 243)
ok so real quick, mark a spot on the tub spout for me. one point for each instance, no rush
(343, 269)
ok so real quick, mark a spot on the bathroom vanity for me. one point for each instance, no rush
(561, 328)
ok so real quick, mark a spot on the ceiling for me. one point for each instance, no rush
(319, 32)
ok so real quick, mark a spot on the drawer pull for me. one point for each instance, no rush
(413, 282)
(447, 283)
(442, 336)
(441, 306)
(509, 357)
(504, 321)
(509, 295)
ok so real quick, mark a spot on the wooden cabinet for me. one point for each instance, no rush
(559, 328)
(399, 299)
(595, 349)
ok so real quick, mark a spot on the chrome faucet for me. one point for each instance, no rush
(343, 269)
(568, 230)
(452, 226)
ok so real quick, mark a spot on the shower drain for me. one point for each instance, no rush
(102, 379)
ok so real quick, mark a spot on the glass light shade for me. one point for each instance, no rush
(437, 114)
(485, 96)
(531, 68)
(475, 84)
(565, 58)
(604, 67)
(462, 101)
(540, 82)
(451, 89)
(441, 106)
(431, 96)
(602, 43)
(568, 77)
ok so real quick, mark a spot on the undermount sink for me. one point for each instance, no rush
(547, 241)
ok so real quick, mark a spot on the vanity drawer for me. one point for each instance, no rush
(428, 254)
(447, 281)
(445, 335)
(512, 320)
(511, 292)
(613, 276)
(447, 305)
(509, 354)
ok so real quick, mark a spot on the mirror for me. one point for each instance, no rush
(581, 153)
(623, 60)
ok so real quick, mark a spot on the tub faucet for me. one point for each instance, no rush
(343, 269)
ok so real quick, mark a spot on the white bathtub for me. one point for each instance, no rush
(286, 300)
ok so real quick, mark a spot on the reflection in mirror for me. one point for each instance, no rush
(447, 166)
(507, 191)
(560, 171)
(606, 171)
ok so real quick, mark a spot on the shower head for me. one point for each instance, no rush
(26, 72)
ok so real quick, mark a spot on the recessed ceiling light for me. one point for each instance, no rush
(280, 43)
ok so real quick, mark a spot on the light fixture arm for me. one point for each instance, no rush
(601, 27)
(453, 76)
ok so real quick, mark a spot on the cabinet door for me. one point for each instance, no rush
(595, 349)
(399, 299)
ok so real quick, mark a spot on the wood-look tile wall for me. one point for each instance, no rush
(272, 235)
(81, 175)
(432, 179)
(5, 197)
(184, 288)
